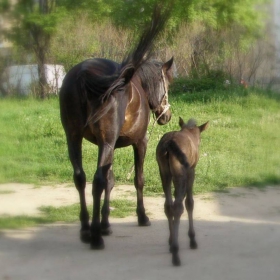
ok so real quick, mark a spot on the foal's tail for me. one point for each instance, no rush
(175, 150)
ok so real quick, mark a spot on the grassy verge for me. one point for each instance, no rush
(120, 208)
(240, 148)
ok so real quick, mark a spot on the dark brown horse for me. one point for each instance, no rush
(177, 156)
(109, 104)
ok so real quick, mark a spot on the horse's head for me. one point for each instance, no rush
(156, 77)
(162, 111)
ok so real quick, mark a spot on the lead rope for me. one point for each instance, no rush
(165, 107)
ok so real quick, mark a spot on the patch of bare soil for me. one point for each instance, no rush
(239, 204)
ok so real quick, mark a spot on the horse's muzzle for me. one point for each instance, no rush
(165, 118)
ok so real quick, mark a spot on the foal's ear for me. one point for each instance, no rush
(181, 122)
(167, 65)
(203, 126)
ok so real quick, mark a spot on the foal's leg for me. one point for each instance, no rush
(139, 155)
(178, 210)
(189, 202)
(75, 155)
(166, 178)
(100, 183)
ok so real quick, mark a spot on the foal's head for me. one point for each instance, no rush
(191, 126)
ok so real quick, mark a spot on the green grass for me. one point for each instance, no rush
(240, 148)
(121, 209)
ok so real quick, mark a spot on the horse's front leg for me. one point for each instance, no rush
(100, 183)
(139, 155)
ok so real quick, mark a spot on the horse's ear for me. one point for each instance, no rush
(167, 65)
(127, 74)
(181, 122)
(203, 126)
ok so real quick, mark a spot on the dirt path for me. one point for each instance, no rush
(238, 235)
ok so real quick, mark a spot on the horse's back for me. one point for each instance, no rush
(95, 66)
(72, 97)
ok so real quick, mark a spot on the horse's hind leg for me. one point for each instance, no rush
(101, 182)
(105, 225)
(139, 155)
(189, 202)
(75, 155)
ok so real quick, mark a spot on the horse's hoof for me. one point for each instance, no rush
(176, 260)
(85, 236)
(106, 231)
(97, 245)
(144, 222)
(193, 244)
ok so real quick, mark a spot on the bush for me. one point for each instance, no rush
(214, 80)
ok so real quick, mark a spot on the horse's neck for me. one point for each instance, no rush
(137, 85)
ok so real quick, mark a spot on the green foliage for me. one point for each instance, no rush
(213, 81)
(33, 22)
(191, 85)
(214, 13)
(50, 30)
(4, 5)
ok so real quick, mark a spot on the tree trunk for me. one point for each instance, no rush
(43, 86)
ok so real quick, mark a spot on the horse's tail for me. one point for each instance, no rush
(143, 50)
(175, 150)
(100, 87)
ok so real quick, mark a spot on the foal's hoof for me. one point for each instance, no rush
(176, 260)
(144, 222)
(97, 244)
(193, 244)
(85, 236)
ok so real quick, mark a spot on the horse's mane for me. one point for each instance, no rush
(99, 86)
(150, 73)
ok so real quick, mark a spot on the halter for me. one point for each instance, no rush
(164, 105)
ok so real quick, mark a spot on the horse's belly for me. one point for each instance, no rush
(124, 141)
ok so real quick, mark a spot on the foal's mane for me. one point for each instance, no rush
(190, 124)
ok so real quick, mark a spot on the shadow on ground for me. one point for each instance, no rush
(227, 250)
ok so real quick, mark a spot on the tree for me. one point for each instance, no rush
(215, 13)
(33, 23)
(36, 21)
